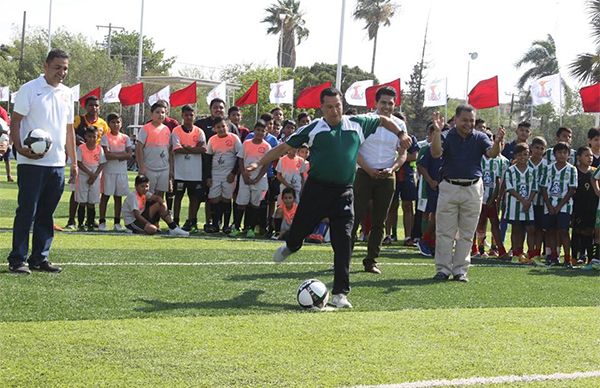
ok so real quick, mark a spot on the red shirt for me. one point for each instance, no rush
(4, 115)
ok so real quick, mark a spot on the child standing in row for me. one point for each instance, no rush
(91, 161)
(585, 202)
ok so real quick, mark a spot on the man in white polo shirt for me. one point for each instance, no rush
(379, 156)
(47, 104)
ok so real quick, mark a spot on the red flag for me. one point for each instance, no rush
(250, 97)
(372, 90)
(95, 92)
(590, 98)
(132, 94)
(184, 96)
(311, 97)
(485, 94)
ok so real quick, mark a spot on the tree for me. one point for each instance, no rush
(542, 55)
(292, 26)
(374, 13)
(587, 66)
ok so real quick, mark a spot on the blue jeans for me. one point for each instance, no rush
(40, 189)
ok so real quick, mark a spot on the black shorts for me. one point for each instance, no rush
(538, 216)
(406, 190)
(273, 192)
(137, 226)
(559, 221)
(583, 219)
(193, 188)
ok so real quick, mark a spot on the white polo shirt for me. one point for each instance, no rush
(379, 150)
(47, 107)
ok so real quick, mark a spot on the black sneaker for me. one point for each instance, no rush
(20, 269)
(45, 266)
(461, 278)
(441, 276)
(211, 229)
(187, 226)
(227, 229)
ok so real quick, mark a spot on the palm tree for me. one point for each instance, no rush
(542, 55)
(375, 13)
(587, 66)
(292, 25)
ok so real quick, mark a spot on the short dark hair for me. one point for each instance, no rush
(156, 105)
(288, 190)
(187, 108)
(479, 121)
(141, 178)
(520, 147)
(289, 122)
(463, 108)
(302, 115)
(266, 117)
(351, 112)
(90, 129)
(385, 91)
(592, 133)
(233, 109)
(304, 145)
(560, 146)
(164, 102)
(329, 92)
(276, 109)
(90, 98)
(56, 53)
(538, 140)
(112, 116)
(563, 129)
(216, 101)
(524, 124)
(260, 124)
(582, 149)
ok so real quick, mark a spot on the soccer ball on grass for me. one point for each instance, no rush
(312, 293)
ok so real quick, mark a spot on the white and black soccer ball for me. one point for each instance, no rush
(312, 293)
(38, 140)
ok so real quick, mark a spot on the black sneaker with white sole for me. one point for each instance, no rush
(19, 269)
(45, 266)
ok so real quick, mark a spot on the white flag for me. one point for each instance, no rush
(547, 89)
(355, 94)
(219, 91)
(75, 90)
(112, 95)
(282, 92)
(162, 94)
(435, 93)
(4, 93)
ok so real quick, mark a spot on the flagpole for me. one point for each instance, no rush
(49, 27)
(446, 102)
(256, 112)
(597, 123)
(136, 117)
(338, 73)
(560, 96)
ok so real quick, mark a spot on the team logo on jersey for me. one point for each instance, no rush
(195, 139)
(555, 189)
(487, 179)
(228, 143)
(261, 150)
(524, 191)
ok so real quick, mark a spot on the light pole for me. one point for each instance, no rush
(338, 73)
(136, 114)
(50, 27)
(472, 56)
(110, 28)
(282, 17)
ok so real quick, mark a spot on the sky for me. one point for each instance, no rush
(220, 33)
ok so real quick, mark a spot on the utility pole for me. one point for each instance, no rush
(110, 28)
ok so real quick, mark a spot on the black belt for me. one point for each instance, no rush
(461, 183)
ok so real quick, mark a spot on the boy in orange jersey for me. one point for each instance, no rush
(290, 169)
(284, 215)
(91, 161)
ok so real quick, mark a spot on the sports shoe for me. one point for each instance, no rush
(424, 248)
(281, 253)
(187, 226)
(70, 226)
(493, 253)
(234, 232)
(250, 233)
(409, 242)
(102, 227)
(119, 228)
(227, 229)
(194, 229)
(177, 231)
(45, 266)
(387, 240)
(372, 268)
(441, 276)
(211, 229)
(461, 278)
(81, 228)
(340, 301)
(505, 257)
(20, 269)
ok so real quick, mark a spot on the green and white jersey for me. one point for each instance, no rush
(596, 176)
(540, 171)
(549, 156)
(422, 185)
(491, 171)
(557, 183)
(524, 183)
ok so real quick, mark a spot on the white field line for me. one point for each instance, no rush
(490, 380)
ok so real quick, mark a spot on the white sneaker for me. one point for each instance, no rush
(340, 301)
(119, 228)
(178, 232)
(281, 253)
(102, 227)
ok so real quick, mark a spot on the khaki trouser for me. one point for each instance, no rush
(457, 211)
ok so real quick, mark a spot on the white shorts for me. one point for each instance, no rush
(221, 188)
(115, 184)
(285, 227)
(253, 194)
(159, 180)
(85, 193)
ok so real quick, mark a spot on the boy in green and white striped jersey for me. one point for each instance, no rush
(539, 164)
(521, 186)
(563, 135)
(558, 188)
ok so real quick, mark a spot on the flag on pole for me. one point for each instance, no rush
(132, 94)
(219, 91)
(96, 92)
(162, 94)
(372, 91)
(311, 96)
(112, 95)
(546, 89)
(435, 93)
(282, 92)
(184, 96)
(4, 93)
(355, 94)
(590, 98)
(485, 94)
(250, 97)
(75, 90)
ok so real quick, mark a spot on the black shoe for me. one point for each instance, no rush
(372, 268)
(441, 276)
(187, 226)
(20, 269)
(45, 266)
(227, 229)
(461, 278)
(211, 229)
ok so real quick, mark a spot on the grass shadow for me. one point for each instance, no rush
(563, 272)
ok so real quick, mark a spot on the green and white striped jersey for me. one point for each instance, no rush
(549, 157)
(540, 170)
(524, 183)
(558, 182)
(491, 171)
(596, 176)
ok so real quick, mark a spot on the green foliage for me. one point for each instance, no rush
(417, 116)
(586, 67)
(293, 26)
(542, 58)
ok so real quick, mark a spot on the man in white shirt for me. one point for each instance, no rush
(379, 156)
(47, 104)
